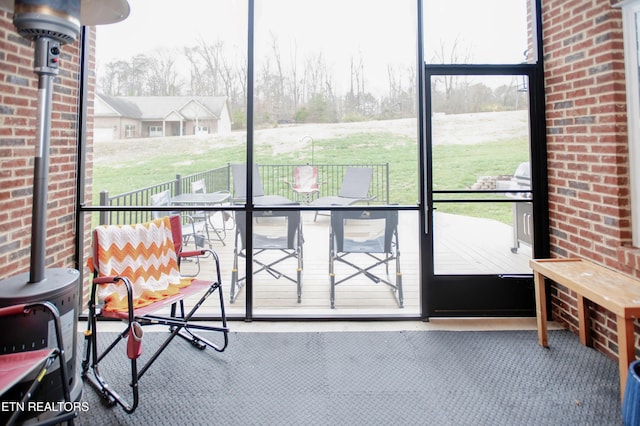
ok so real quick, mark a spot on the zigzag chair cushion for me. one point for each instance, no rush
(145, 254)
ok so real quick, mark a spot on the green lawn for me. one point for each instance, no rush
(454, 166)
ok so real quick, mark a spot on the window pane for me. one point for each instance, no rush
(477, 32)
(170, 99)
(333, 90)
(480, 134)
(170, 113)
(335, 106)
(482, 238)
(637, 28)
(480, 128)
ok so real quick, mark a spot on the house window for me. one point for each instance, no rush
(631, 26)
(155, 131)
(202, 130)
(130, 131)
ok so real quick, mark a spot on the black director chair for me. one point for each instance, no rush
(365, 241)
(277, 232)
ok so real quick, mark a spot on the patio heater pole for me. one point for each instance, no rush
(47, 53)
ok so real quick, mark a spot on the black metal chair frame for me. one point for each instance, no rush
(354, 189)
(190, 225)
(179, 323)
(41, 364)
(293, 249)
(239, 195)
(199, 187)
(389, 253)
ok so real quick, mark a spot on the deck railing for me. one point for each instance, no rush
(274, 178)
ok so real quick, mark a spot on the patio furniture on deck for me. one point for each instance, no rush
(354, 188)
(199, 195)
(279, 231)
(190, 227)
(136, 280)
(365, 240)
(239, 172)
(305, 182)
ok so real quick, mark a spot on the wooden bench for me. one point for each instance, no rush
(612, 290)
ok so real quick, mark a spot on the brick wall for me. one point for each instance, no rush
(18, 108)
(587, 148)
(589, 206)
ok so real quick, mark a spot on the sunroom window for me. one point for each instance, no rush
(631, 26)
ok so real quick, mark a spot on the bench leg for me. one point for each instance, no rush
(541, 309)
(583, 326)
(626, 349)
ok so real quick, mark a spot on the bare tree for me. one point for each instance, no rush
(304, 90)
(294, 86)
(113, 80)
(457, 54)
(163, 79)
(201, 78)
(400, 101)
(278, 80)
(356, 86)
(217, 70)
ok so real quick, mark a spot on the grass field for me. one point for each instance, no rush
(465, 148)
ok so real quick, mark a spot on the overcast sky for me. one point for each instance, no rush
(382, 32)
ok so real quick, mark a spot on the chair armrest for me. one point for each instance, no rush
(193, 253)
(13, 310)
(127, 284)
(206, 253)
(108, 280)
(24, 308)
(285, 180)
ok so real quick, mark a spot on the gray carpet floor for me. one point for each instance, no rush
(370, 378)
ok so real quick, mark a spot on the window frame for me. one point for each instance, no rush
(631, 9)
(130, 131)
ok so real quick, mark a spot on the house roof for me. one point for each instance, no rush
(161, 107)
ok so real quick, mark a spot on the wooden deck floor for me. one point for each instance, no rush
(463, 246)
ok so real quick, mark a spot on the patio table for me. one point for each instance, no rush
(206, 199)
(200, 199)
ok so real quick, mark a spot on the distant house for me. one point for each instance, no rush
(124, 117)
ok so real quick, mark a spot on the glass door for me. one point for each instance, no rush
(480, 195)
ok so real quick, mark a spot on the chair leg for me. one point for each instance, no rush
(220, 237)
(91, 374)
(235, 280)
(57, 354)
(399, 279)
(332, 290)
(399, 289)
(299, 277)
(90, 364)
(300, 267)
(59, 418)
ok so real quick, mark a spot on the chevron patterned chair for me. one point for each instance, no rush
(136, 280)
